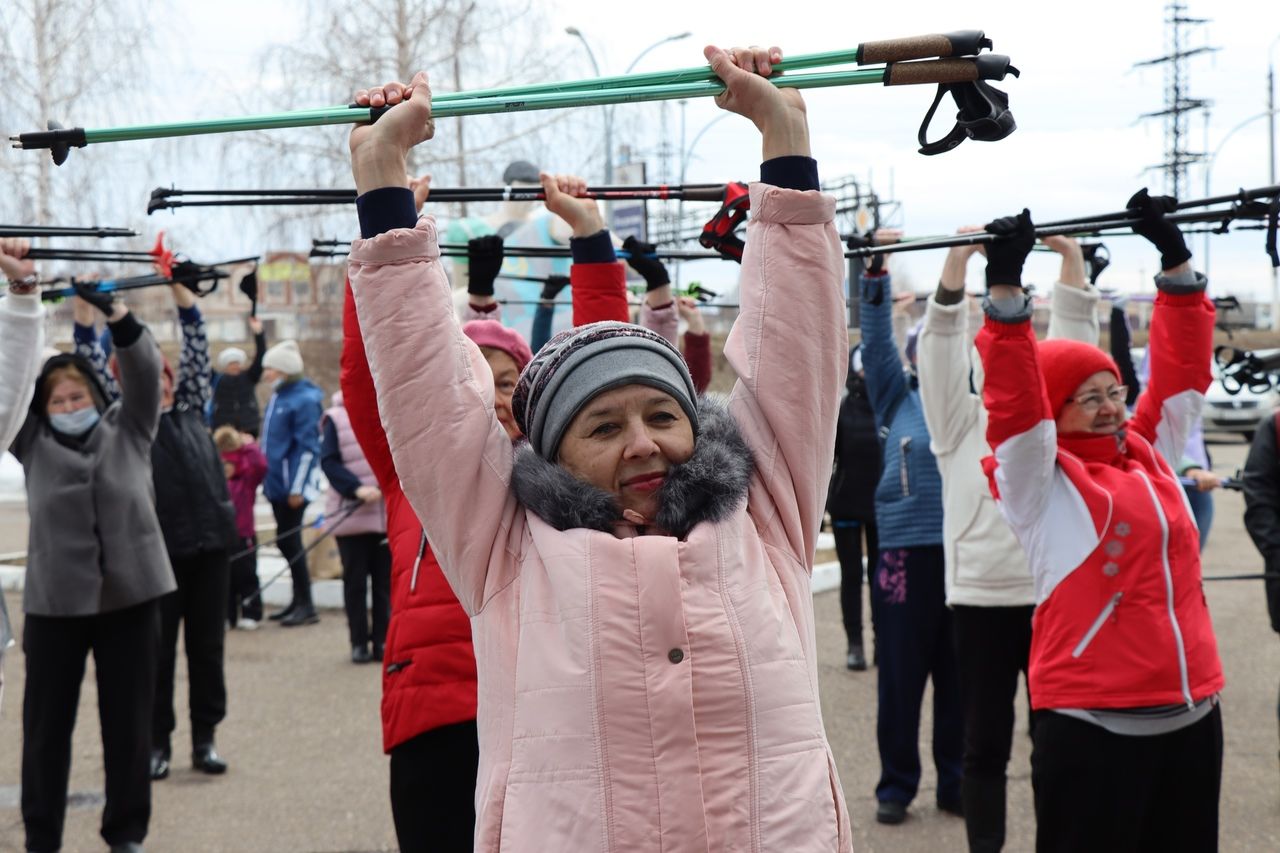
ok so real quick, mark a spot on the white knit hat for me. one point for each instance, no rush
(285, 358)
(231, 355)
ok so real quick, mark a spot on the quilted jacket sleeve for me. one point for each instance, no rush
(790, 350)
(435, 395)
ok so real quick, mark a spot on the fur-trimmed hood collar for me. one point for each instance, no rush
(708, 487)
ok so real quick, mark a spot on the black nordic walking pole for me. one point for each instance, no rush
(339, 248)
(1228, 483)
(298, 556)
(247, 551)
(56, 231)
(1263, 576)
(164, 199)
(118, 285)
(1076, 229)
(115, 285)
(1242, 196)
(91, 256)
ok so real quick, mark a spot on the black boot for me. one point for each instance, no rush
(284, 614)
(984, 812)
(303, 614)
(204, 756)
(159, 764)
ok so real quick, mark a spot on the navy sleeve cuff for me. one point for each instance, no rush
(790, 173)
(190, 315)
(596, 249)
(385, 209)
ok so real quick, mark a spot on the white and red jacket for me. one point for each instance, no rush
(1121, 620)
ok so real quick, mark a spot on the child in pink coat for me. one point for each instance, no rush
(245, 467)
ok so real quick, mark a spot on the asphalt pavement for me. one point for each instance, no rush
(303, 738)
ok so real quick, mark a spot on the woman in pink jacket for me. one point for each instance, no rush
(638, 573)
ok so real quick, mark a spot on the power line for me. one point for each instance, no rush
(1178, 103)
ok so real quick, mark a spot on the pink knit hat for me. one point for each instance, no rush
(1066, 363)
(491, 333)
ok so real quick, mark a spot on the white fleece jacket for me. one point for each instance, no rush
(985, 565)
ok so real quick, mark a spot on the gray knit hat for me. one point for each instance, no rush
(520, 171)
(577, 365)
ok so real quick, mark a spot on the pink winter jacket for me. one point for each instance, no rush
(636, 692)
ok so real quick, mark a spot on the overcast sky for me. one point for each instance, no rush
(1079, 148)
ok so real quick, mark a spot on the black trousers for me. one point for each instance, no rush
(992, 647)
(848, 535)
(287, 519)
(199, 605)
(1104, 792)
(366, 559)
(123, 643)
(433, 788)
(917, 644)
(244, 584)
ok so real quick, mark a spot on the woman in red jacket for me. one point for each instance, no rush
(1124, 672)
(429, 667)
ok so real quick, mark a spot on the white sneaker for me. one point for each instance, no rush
(247, 625)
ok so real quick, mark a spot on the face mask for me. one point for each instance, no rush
(75, 423)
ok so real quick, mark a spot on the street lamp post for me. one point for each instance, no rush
(1271, 142)
(608, 109)
(1208, 171)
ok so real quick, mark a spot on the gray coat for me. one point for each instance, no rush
(95, 544)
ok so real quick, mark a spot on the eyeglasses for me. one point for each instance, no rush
(1090, 403)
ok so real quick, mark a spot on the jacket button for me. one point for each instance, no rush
(675, 655)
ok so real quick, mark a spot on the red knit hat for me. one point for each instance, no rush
(491, 333)
(1066, 364)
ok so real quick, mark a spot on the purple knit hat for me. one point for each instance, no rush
(576, 365)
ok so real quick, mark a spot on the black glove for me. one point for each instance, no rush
(249, 286)
(88, 291)
(484, 258)
(552, 286)
(874, 263)
(1162, 233)
(1006, 256)
(651, 269)
(189, 275)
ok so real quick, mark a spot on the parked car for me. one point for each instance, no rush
(1239, 413)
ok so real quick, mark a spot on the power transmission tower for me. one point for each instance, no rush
(1177, 103)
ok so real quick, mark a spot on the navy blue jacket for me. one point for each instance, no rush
(909, 495)
(291, 441)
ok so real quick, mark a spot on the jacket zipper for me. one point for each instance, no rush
(1168, 586)
(422, 549)
(1097, 625)
(904, 451)
(393, 668)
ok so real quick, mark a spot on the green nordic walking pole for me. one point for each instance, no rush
(941, 46)
(942, 71)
